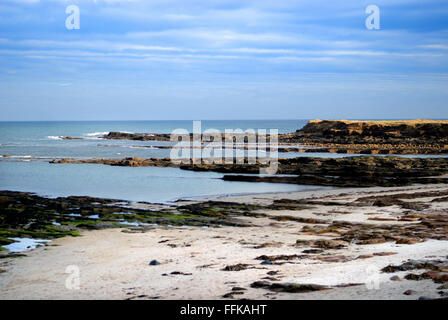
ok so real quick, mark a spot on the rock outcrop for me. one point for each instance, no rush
(373, 137)
(137, 136)
(343, 136)
(349, 171)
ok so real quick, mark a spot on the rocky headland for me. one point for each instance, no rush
(344, 136)
(373, 137)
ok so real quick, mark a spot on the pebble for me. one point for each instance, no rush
(266, 262)
(409, 292)
(395, 278)
(154, 263)
(443, 293)
(444, 286)
(426, 298)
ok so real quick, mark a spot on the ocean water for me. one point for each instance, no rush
(41, 139)
(31, 145)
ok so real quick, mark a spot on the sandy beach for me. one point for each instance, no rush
(243, 262)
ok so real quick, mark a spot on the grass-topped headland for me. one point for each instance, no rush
(418, 136)
(371, 130)
(374, 137)
(385, 122)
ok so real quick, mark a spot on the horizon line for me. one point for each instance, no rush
(303, 119)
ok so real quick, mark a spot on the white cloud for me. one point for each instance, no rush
(435, 46)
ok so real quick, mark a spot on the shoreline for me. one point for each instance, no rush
(113, 263)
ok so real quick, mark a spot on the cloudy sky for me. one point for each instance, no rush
(223, 59)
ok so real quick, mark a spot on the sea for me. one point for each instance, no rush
(26, 148)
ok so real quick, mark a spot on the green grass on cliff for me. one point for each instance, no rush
(387, 122)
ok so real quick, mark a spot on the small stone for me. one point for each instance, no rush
(437, 277)
(409, 292)
(426, 298)
(154, 263)
(443, 293)
(381, 254)
(417, 277)
(269, 278)
(365, 256)
(443, 286)
(266, 262)
(260, 284)
(288, 287)
(407, 241)
(236, 267)
(396, 278)
(313, 251)
(330, 244)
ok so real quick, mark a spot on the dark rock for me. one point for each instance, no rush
(270, 278)
(288, 287)
(437, 277)
(154, 263)
(443, 286)
(238, 289)
(426, 298)
(443, 293)
(416, 277)
(236, 267)
(260, 284)
(348, 172)
(409, 292)
(346, 285)
(313, 251)
(231, 294)
(372, 137)
(280, 257)
(416, 264)
(180, 273)
(396, 278)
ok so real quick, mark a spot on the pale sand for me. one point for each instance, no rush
(114, 264)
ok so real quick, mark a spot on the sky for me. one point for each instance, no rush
(213, 59)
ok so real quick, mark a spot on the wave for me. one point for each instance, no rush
(141, 147)
(101, 133)
(29, 158)
(18, 157)
(54, 137)
(96, 135)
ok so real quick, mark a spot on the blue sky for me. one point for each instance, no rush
(192, 59)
